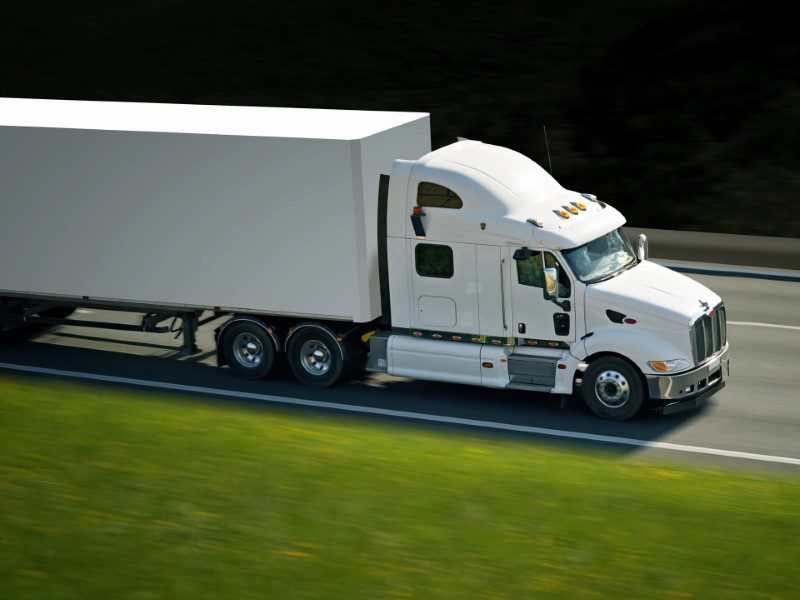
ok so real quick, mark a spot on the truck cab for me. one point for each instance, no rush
(500, 277)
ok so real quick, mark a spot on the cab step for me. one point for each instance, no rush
(528, 387)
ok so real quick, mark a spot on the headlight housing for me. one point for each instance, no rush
(669, 366)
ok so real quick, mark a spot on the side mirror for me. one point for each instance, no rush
(643, 250)
(550, 283)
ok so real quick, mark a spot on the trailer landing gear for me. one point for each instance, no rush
(154, 321)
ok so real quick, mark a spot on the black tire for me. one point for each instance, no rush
(315, 357)
(612, 388)
(249, 350)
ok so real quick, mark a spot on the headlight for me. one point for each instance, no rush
(667, 366)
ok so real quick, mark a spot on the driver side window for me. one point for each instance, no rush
(529, 272)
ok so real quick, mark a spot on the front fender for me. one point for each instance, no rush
(637, 345)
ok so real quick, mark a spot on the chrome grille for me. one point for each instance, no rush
(709, 334)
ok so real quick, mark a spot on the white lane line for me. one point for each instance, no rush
(773, 325)
(610, 439)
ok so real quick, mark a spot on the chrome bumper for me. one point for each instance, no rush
(691, 383)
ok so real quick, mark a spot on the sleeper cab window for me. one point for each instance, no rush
(529, 272)
(433, 195)
(434, 260)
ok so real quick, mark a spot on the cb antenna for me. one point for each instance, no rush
(547, 146)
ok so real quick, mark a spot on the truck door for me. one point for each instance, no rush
(444, 292)
(536, 320)
(443, 315)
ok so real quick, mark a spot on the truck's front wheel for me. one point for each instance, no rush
(612, 388)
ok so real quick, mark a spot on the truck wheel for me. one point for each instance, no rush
(315, 357)
(612, 388)
(248, 350)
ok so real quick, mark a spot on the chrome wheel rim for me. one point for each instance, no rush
(248, 350)
(315, 357)
(612, 389)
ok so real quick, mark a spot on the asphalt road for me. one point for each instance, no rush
(758, 412)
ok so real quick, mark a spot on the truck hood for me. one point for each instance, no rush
(655, 290)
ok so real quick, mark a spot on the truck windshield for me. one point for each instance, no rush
(602, 258)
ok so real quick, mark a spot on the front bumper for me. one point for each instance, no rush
(700, 381)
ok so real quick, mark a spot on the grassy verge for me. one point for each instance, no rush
(107, 492)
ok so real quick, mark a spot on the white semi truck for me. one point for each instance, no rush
(339, 240)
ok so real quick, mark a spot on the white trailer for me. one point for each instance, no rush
(268, 210)
(324, 234)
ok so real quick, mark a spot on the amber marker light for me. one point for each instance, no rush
(668, 366)
(561, 213)
(417, 210)
(580, 205)
(571, 209)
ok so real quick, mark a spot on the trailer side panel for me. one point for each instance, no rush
(248, 223)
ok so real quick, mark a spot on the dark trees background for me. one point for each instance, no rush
(683, 114)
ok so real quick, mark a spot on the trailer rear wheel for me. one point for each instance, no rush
(612, 388)
(248, 350)
(315, 357)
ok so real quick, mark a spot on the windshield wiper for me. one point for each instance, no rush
(603, 278)
(614, 274)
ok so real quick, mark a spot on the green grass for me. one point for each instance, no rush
(114, 493)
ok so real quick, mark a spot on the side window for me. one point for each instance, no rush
(433, 260)
(529, 272)
(437, 196)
